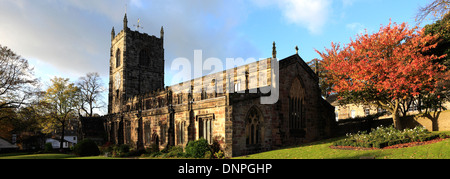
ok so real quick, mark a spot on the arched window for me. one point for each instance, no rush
(118, 60)
(144, 58)
(148, 133)
(297, 120)
(254, 127)
(180, 132)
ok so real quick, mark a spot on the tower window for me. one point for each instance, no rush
(118, 61)
(144, 59)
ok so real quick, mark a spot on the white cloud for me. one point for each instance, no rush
(74, 35)
(312, 14)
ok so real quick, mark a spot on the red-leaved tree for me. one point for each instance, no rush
(383, 69)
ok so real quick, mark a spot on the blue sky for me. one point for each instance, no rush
(69, 38)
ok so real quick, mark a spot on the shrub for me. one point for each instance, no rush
(86, 147)
(121, 150)
(197, 149)
(106, 149)
(442, 135)
(153, 148)
(175, 151)
(219, 155)
(48, 147)
(386, 136)
(135, 153)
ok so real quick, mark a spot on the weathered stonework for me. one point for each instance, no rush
(142, 113)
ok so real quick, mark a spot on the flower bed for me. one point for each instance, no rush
(382, 137)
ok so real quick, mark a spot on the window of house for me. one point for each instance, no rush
(353, 114)
(381, 110)
(366, 111)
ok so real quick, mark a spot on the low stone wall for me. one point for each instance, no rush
(434, 121)
(354, 125)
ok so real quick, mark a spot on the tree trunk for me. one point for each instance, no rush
(395, 115)
(397, 122)
(90, 108)
(62, 136)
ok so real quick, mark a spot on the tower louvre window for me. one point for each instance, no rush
(144, 59)
(118, 60)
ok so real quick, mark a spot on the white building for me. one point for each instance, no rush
(68, 142)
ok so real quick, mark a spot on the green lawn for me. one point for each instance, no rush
(317, 150)
(48, 156)
(322, 150)
(36, 156)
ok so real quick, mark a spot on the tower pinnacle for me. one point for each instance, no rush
(113, 34)
(274, 50)
(125, 22)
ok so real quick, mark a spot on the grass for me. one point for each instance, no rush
(322, 150)
(48, 156)
(316, 150)
(36, 156)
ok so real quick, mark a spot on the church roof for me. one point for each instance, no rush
(297, 59)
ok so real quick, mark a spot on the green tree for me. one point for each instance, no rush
(440, 28)
(60, 103)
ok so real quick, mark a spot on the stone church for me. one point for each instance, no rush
(143, 112)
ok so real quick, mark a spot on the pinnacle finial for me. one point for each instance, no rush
(125, 22)
(113, 33)
(296, 49)
(274, 50)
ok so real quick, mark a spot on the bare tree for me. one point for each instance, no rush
(16, 79)
(91, 89)
(437, 8)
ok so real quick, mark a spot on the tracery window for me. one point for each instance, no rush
(205, 129)
(297, 109)
(254, 127)
(148, 133)
(296, 113)
(180, 132)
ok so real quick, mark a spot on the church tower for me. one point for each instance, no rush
(136, 65)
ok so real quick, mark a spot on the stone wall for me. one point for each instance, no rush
(223, 102)
(434, 121)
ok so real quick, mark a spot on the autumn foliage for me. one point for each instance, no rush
(383, 68)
